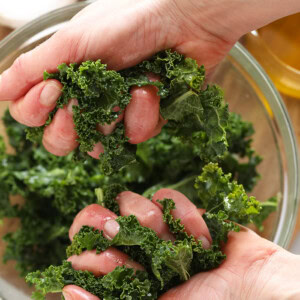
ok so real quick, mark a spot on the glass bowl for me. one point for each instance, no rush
(248, 90)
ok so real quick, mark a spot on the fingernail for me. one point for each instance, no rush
(71, 103)
(111, 228)
(205, 242)
(67, 296)
(50, 94)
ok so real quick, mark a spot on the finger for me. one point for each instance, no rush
(159, 126)
(109, 128)
(60, 136)
(98, 149)
(73, 292)
(187, 212)
(147, 213)
(33, 109)
(69, 46)
(201, 211)
(27, 70)
(102, 219)
(102, 263)
(106, 130)
(95, 216)
(141, 114)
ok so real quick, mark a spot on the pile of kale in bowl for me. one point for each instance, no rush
(204, 151)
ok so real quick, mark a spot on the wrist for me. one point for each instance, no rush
(230, 19)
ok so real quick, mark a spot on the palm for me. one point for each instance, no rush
(247, 258)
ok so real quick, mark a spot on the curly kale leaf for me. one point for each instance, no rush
(238, 134)
(107, 196)
(200, 119)
(219, 194)
(162, 254)
(197, 116)
(174, 225)
(121, 283)
(267, 208)
(167, 263)
(87, 239)
(203, 259)
(219, 226)
(117, 151)
(177, 74)
(98, 92)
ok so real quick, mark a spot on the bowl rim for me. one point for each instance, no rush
(276, 106)
(246, 61)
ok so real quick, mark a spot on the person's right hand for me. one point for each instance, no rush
(254, 268)
(122, 33)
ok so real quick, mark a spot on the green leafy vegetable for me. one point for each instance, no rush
(267, 208)
(168, 263)
(121, 283)
(55, 189)
(219, 194)
(197, 116)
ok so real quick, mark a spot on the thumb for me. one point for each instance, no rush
(73, 292)
(93, 34)
(27, 70)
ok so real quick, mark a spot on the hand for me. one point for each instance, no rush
(254, 269)
(122, 33)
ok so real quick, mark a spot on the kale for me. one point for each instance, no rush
(267, 208)
(171, 263)
(167, 263)
(110, 193)
(198, 116)
(121, 283)
(87, 239)
(54, 189)
(238, 134)
(219, 194)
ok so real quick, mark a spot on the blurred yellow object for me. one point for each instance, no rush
(277, 48)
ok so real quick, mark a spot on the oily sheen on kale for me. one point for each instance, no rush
(199, 130)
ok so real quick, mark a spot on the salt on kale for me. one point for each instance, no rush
(198, 116)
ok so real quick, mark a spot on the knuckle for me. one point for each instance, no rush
(152, 216)
(19, 66)
(74, 44)
(190, 215)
